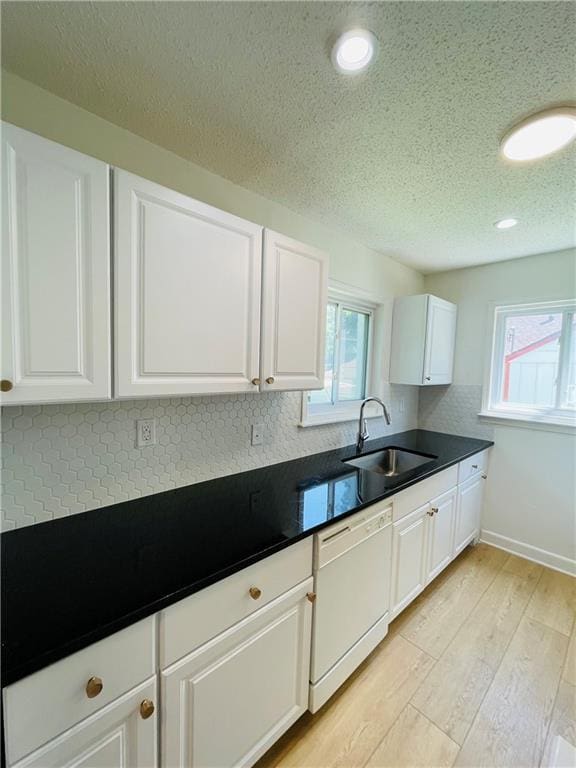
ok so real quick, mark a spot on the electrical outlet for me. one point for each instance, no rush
(145, 432)
(257, 434)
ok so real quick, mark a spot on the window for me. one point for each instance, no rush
(348, 339)
(533, 368)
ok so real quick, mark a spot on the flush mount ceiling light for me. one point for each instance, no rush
(506, 223)
(353, 51)
(540, 135)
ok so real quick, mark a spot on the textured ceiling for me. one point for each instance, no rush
(404, 157)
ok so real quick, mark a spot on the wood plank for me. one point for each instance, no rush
(414, 741)
(554, 601)
(511, 725)
(349, 728)
(519, 566)
(438, 619)
(563, 722)
(569, 673)
(452, 693)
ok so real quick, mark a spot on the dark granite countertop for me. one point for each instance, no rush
(73, 581)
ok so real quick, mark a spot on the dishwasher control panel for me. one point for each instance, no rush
(342, 536)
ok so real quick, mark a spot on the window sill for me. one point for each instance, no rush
(530, 421)
(340, 416)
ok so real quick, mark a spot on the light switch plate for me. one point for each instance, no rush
(257, 434)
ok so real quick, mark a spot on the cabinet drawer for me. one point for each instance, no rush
(198, 618)
(421, 493)
(45, 704)
(473, 465)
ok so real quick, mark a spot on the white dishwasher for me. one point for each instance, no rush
(352, 562)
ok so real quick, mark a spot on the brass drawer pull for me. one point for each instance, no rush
(430, 513)
(255, 593)
(270, 380)
(94, 687)
(6, 385)
(146, 709)
(256, 381)
(435, 510)
(483, 477)
(474, 466)
(311, 596)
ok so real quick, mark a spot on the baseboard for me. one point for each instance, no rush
(527, 551)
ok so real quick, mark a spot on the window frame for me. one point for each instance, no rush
(492, 406)
(345, 410)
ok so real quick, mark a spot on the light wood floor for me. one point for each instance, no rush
(479, 671)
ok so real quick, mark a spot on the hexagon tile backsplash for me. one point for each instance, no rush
(61, 459)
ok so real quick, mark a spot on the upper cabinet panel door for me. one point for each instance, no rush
(55, 272)
(440, 336)
(295, 290)
(187, 297)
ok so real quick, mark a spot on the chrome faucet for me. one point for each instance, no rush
(363, 427)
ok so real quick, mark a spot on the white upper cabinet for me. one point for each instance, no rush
(423, 336)
(295, 290)
(187, 294)
(55, 272)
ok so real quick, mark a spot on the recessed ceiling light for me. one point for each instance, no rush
(540, 135)
(506, 223)
(353, 51)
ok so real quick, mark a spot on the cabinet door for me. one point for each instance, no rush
(440, 336)
(469, 509)
(409, 556)
(187, 294)
(441, 533)
(117, 736)
(295, 291)
(55, 272)
(227, 702)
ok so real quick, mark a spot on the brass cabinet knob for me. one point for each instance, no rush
(483, 476)
(428, 378)
(430, 513)
(255, 593)
(311, 596)
(270, 380)
(256, 381)
(435, 510)
(146, 709)
(474, 466)
(94, 687)
(6, 385)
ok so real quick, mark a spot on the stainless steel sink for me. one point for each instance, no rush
(391, 462)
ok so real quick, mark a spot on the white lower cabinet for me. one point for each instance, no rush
(470, 499)
(427, 539)
(121, 735)
(227, 702)
(409, 557)
(441, 527)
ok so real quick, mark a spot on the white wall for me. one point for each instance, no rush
(59, 460)
(531, 491)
